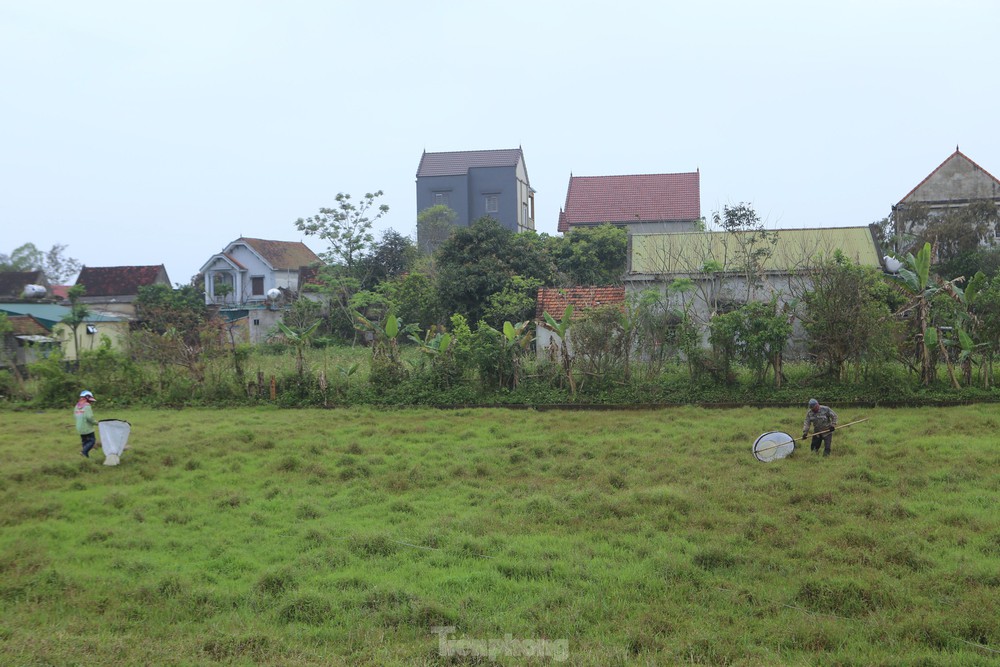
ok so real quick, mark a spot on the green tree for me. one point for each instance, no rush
(515, 302)
(414, 298)
(961, 230)
(434, 226)
(78, 314)
(159, 308)
(480, 260)
(57, 267)
(846, 316)
(591, 255)
(750, 243)
(603, 338)
(345, 227)
(661, 328)
(8, 354)
(985, 307)
(391, 256)
(755, 335)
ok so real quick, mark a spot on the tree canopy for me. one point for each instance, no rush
(481, 260)
(58, 268)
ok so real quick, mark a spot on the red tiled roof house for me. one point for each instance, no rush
(643, 203)
(553, 300)
(114, 288)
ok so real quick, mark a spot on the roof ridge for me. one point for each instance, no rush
(938, 168)
(666, 173)
(478, 150)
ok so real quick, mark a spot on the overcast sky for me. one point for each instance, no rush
(154, 131)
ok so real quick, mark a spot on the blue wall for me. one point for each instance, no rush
(467, 194)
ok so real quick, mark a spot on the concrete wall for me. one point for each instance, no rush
(719, 289)
(956, 179)
(116, 332)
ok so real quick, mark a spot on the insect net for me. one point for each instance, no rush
(772, 446)
(114, 439)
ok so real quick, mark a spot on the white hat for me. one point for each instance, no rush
(86, 394)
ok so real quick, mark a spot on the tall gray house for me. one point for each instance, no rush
(478, 183)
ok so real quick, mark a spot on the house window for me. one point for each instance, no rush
(492, 203)
(442, 199)
(257, 285)
(91, 329)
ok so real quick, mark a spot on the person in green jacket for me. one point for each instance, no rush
(85, 422)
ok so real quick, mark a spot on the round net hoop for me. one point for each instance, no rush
(772, 446)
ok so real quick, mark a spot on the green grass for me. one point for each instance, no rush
(341, 537)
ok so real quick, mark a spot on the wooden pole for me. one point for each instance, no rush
(782, 444)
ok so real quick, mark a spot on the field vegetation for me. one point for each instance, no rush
(344, 536)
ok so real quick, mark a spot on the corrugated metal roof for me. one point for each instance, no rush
(458, 163)
(50, 314)
(795, 249)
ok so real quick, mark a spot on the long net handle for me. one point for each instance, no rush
(788, 442)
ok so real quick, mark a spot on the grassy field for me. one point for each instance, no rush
(343, 537)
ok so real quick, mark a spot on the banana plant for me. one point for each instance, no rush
(512, 340)
(300, 338)
(915, 281)
(561, 329)
(386, 336)
(434, 345)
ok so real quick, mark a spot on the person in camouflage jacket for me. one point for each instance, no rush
(823, 421)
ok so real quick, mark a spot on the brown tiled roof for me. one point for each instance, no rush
(457, 163)
(594, 200)
(120, 280)
(59, 291)
(282, 255)
(26, 325)
(12, 282)
(553, 300)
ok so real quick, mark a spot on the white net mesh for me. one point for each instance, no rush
(114, 438)
(772, 446)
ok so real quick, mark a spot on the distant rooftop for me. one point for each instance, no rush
(458, 163)
(593, 200)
